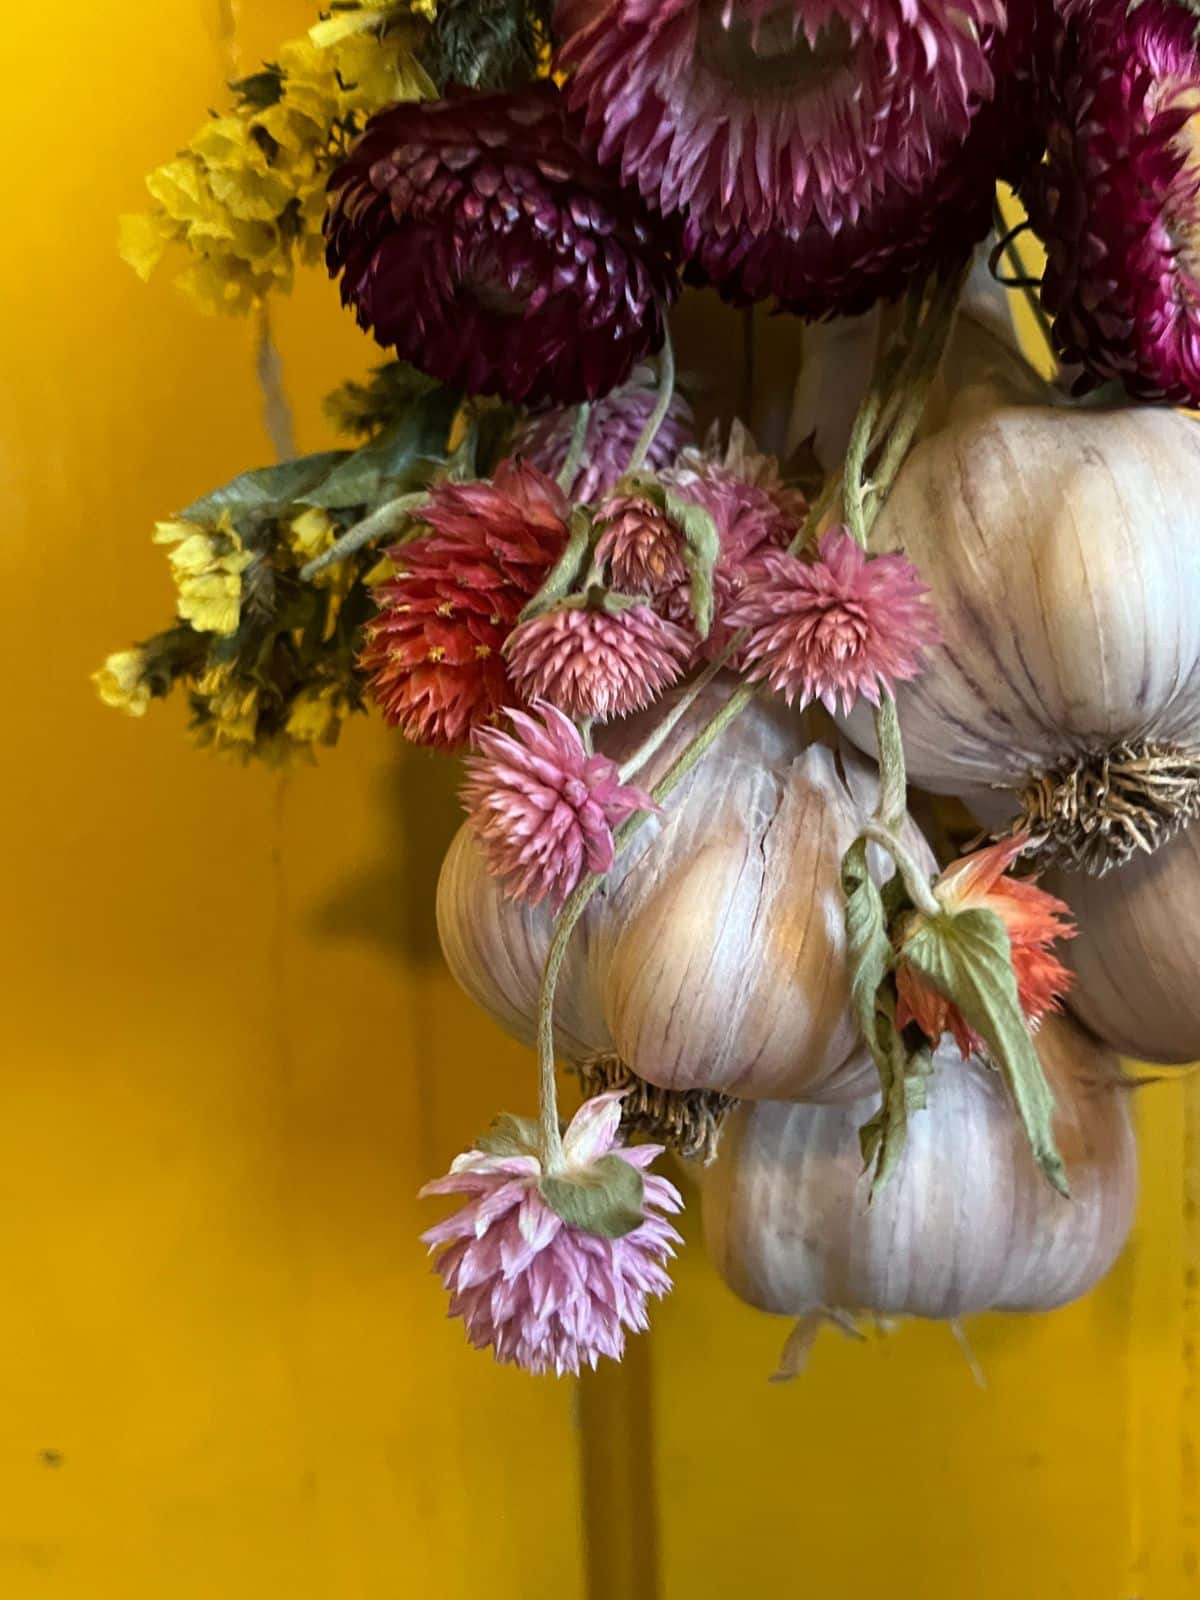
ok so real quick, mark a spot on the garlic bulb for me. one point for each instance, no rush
(714, 957)
(1137, 954)
(1060, 545)
(966, 1222)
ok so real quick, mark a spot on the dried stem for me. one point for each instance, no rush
(666, 393)
(575, 449)
(381, 524)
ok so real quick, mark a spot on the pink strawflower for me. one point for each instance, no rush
(537, 1292)
(614, 427)
(542, 808)
(591, 664)
(746, 115)
(832, 629)
(1118, 201)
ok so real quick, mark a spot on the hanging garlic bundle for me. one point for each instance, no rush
(715, 958)
(966, 1223)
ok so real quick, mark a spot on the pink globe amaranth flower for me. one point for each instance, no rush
(614, 427)
(1118, 201)
(640, 543)
(1033, 920)
(433, 652)
(542, 808)
(908, 229)
(589, 663)
(844, 625)
(536, 1292)
(746, 115)
(477, 238)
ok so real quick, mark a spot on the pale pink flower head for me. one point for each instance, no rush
(536, 1291)
(614, 427)
(844, 625)
(590, 663)
(746, 115)
(542, 808)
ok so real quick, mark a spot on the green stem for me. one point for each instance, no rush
(916, 880)
(893, 776)
(663, 730)
(666, 393)
(381, 524)
(570, 467)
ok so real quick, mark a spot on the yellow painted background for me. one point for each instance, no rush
(231, 1054)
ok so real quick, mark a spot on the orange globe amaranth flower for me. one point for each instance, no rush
(1033, 920)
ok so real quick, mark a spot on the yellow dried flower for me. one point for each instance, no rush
(246, 198)
(229, 708)
(317, 714)
(122, 682)
(207, 566)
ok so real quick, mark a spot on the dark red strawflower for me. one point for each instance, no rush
(433, 652)
(907, 228)
(750, 115)
(477, 238)
(1118, 202)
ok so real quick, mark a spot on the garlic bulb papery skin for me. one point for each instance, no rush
(965, 1224)
(714, 957)
(1136, 957)
(1062, 549)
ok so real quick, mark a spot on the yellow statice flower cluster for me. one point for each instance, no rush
(207, 565)
(246, 198)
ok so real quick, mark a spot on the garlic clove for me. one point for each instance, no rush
(965, 1224)
(1137, 953)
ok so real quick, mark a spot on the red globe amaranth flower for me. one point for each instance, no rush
(844, 625)
(614, 428)
(433, 652)
(908, 229)
(593, 664)
(479, 239)
(1118, 202)
(1033, 920)
(746, 115)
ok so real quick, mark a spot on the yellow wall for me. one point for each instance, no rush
(231, 1055)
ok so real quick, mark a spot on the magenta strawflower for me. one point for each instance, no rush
(746, 115)
(1118, 202)
(589, 663)
(537, 1292)
(842, 626)
(479, 239)
(614, 427)
(542, 808)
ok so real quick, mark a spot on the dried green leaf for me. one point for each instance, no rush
(403, 457)
(566, 570)
(701, 552)
(606, 1198)
(510, 1136)
(966, 956)
(266, 490)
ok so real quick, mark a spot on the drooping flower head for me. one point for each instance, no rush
(833, 629)
(542, 808)
(747, 115)
(907, 229)
(1033, 920)
(641, 545)
(1118, 203)
(590, 663)
(537, 1292)
(433, 651)
(477, 238)
(613, 429)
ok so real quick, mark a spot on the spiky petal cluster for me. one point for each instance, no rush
(542, 808)
(907, 229)
(1118, 203)
(753, 114)
(1033, 920)
(842, 626)
(641, 545)
(536, 1292)
(591, 663)
(433, 651)
(477, 238)
(613, 429)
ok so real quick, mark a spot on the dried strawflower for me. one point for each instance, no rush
(538, 1292)
(1032, 919)
(1118, 202)
(479, 239)
(833, 629)
(542, 808)
(597, 664)
(613, 429)
(433, 651)
(752, 114)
